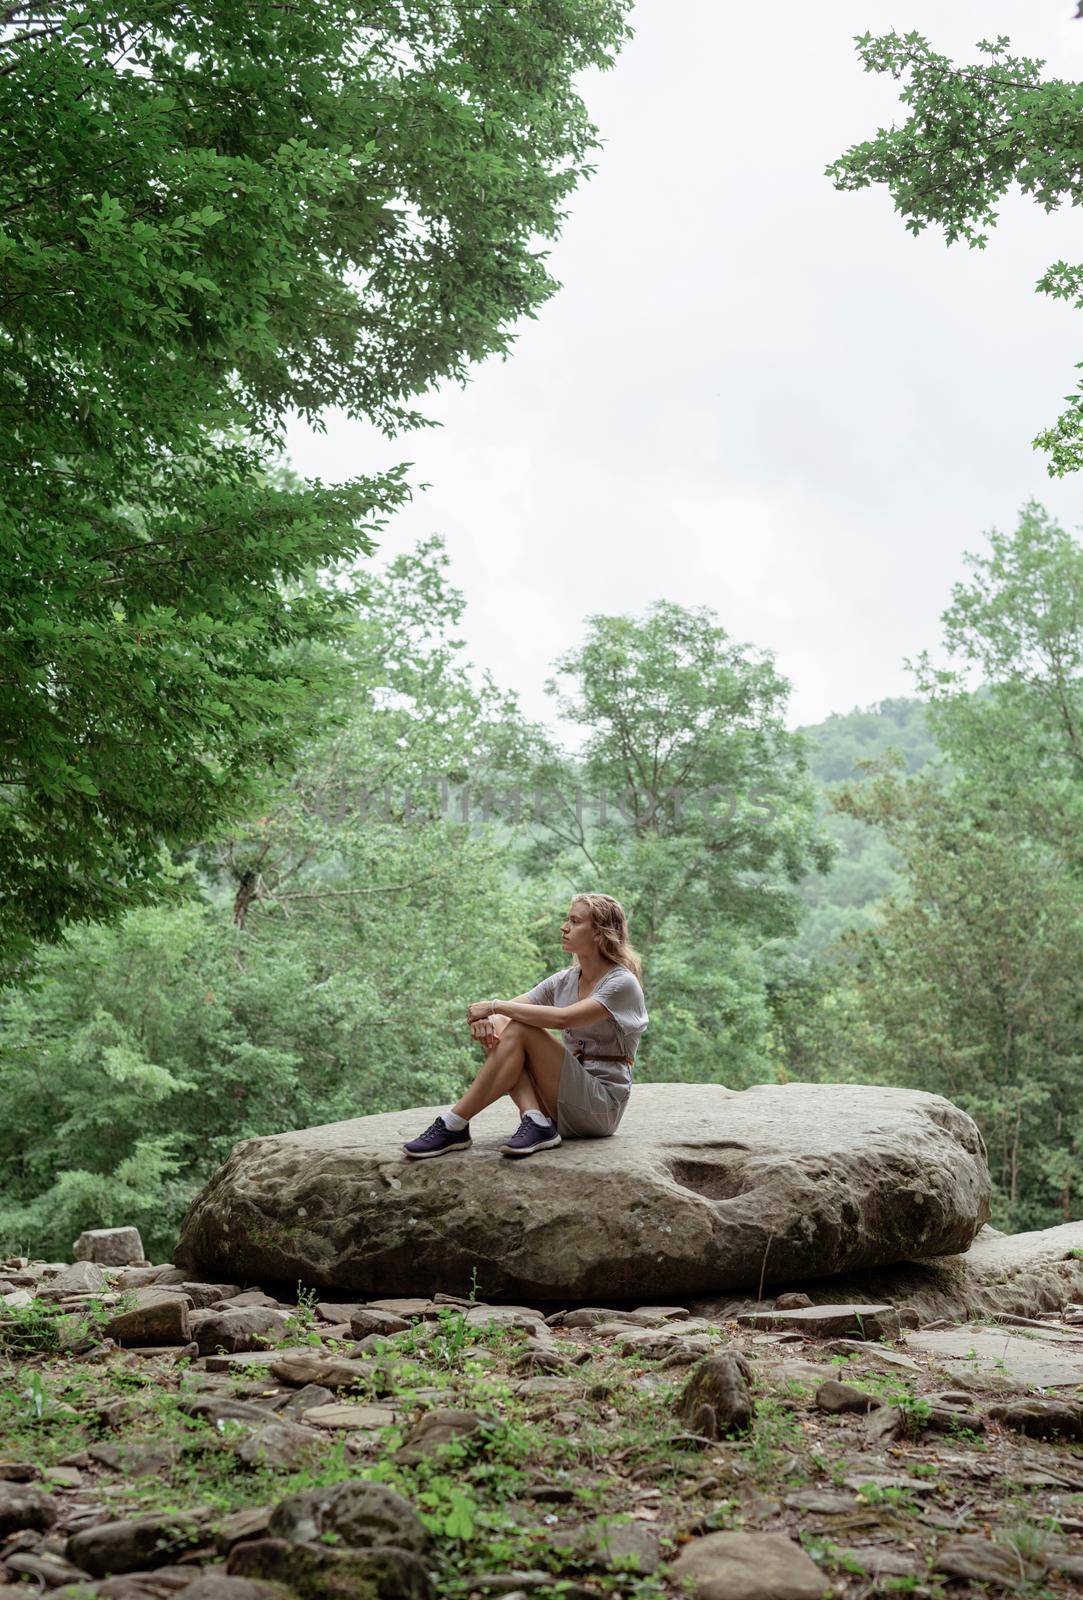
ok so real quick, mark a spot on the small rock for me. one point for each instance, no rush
(878, 1354)
(748, 1566)
(337, 1312)
(513, 1582)
(335, 1416)
(1041, 1419)
(141, 1277)
(584, 1317)
(63, 1477)
(410, 1306)
(436, 1428)
(359, 1513)
(249, 1298)
(215, 1408)
(794, 1369)
(539, 1358)
(883, 1561)
(218, 1585)
(369, 1319)
(158, 1317)
(323, 1572)
(981, 1561)
(837, 1397)
(161, 1584)
(612, 1542)
(717, 1399)
(135, 1460)
(24, 1505)
(826, 1502)
(875, 1478)
(19, 1472)
(504, 1317)
(45, 1566)
(129, 1546)
(819, 1322)
(237, 1331)
(333, 1372)
(791, 1301)
(1069, 1566)
(278, 1444)
(111, 1247)
(251, 1523)
(301, 1400)
(82, 1277)
(205, 1295)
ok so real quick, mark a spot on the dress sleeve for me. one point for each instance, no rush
(622, 997)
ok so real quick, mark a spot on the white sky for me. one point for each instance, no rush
(752, 392)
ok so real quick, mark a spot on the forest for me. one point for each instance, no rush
(265, 830)
(889, 897)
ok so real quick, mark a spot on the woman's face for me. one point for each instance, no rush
(577, 931)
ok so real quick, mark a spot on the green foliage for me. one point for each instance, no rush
(218, 216)
(900, 1499)
(710, 824)
(1008, 710)
(967, 984)
(970, 134)
(865, 868)
(318, 966)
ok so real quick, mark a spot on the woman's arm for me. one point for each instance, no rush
(520, 1010)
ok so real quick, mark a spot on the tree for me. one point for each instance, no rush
(971, 133)
(316, 966)
(1009, 713)
(969, 987)
(965, 982)
(217, 215)
(416, 741)
(709, 824)
(711, 812)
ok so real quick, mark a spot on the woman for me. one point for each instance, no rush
(574, 1087)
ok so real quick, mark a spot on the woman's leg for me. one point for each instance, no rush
(523, 1091)
(522, 1052)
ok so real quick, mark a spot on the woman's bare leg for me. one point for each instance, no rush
(524, 1093)
(522, 1051)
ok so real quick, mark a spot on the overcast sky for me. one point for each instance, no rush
(751, 392)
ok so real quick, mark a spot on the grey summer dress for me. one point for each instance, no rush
(593, 1094)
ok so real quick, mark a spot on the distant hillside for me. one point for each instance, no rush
(864, 870)
(842, 740)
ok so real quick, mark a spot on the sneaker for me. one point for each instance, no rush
(530, 1136)
(437, 1140)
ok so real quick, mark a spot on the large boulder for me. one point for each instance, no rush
(702, 1189)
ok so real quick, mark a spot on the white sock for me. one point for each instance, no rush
(539, 1117)
(453, 1121)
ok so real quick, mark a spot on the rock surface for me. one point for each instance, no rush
(703, 1189)
(1000, 1275)
(111, 1247)
(748, 1566)
(994, 1354)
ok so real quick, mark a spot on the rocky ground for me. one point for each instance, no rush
(158, 1434)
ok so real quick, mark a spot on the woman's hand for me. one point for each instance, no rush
(480, 1011)
(487, 1030)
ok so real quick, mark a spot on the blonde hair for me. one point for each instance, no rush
(609, 920)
